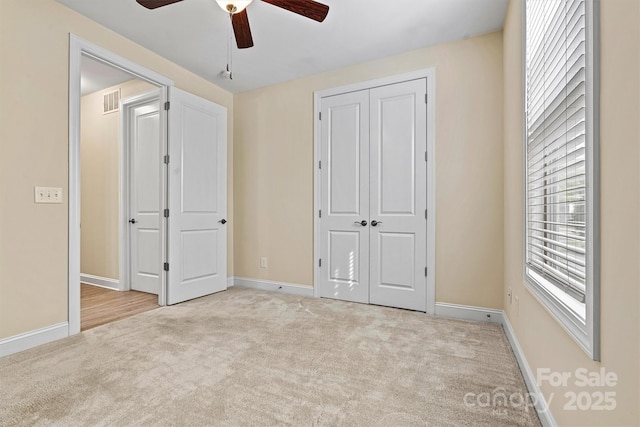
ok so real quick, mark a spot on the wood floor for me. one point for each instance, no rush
(101, 305)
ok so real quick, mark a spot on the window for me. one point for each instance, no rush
(561, 164)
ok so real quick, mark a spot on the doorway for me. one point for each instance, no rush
(120, 161)
(82, 50)
(374, 183)
(140, 216)
(192, 193)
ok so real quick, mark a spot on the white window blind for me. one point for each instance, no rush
(556, 196)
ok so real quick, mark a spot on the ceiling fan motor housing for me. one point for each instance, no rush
(234, 6)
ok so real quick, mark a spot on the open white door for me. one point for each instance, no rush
(197, 197)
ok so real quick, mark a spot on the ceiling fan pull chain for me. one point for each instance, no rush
(229, 54)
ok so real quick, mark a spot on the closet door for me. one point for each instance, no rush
(398, 227)
(344, 229)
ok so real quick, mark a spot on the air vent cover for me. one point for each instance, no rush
(111, 102)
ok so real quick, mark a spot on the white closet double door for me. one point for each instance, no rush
(373, 227)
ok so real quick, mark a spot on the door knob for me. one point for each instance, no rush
(362, 223)
(133, 221)
(223, 221)
(374, 223)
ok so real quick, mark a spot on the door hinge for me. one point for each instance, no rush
(320, 115)
(320, 164)
(426, 214)
(425, 271)
(166, 213)
(320, 213)
(425, 98)
(166, 159)
(167, 105)
(166, 266)
(320, 262)
(426, 156)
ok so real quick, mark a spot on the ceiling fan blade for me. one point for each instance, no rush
(240, 23)
(309, 8)
(154, 4)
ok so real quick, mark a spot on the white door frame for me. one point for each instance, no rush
(77, 48)
(429, 74)
(126, 107)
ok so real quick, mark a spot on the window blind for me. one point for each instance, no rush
(555, 131)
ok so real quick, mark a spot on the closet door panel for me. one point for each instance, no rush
(344, 273)
(398, 195)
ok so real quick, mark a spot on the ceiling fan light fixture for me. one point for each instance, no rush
(233, 6)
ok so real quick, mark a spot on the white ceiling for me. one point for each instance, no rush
(195, 34)
(95, 75)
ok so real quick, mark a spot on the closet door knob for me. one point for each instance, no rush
(374, 223)
(223, 221)
(133, 221)
(362, 223)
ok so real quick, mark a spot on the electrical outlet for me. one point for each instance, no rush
(263, 262)
(510, 295)
(48, 195)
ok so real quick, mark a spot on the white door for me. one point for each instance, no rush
(398, 201)
(373, 196)
(197, 197)
(144, 197)
(345, 197)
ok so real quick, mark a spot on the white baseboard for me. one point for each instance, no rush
(37, 337)
(467, 312)
(266, 285)
(103, 282)
(544, 413)
(33, 338)
(481, 314)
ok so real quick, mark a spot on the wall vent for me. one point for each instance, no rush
(111, 102)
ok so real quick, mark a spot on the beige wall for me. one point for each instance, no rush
(100, 181)
(274, 170)
(34, 52)
(545, 343)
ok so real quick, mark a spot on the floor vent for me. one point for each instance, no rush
(111, 102)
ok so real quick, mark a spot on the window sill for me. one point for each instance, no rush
(577, 309)
(570, 313)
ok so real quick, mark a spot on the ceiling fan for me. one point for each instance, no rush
(240, 21)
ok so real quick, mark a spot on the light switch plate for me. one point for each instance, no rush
(48, 195)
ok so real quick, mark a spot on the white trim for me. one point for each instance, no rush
(585, 332)
(544, 412)
(430, 75)
(454, 311)
(33, 338)
(431, 190)
(384, 81)
(37, 337)
(103, 282)
(77, 48)
(466, 312)
(267, 285)
(317, 196)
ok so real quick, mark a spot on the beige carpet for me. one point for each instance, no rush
(251, 358)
